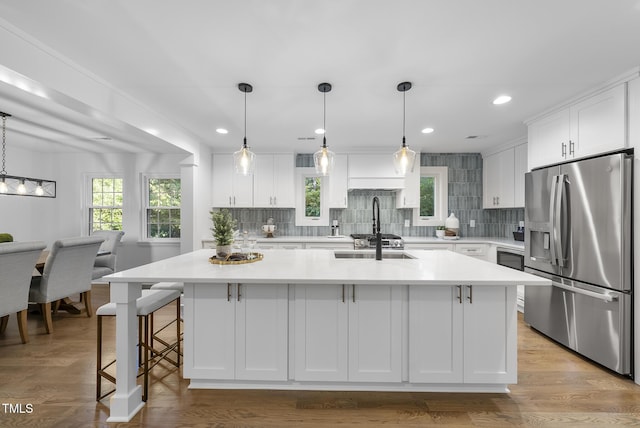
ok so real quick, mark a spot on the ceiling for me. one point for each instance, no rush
(184, 60)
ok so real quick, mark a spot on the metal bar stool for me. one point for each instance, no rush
(146, 305)
(177, 286)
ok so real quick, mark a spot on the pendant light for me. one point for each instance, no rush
(323, 159)
(404, 158)
(244, 159)
(21, 186)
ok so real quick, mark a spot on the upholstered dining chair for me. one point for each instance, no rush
(17, 261)
(106, 264)
(67, 271)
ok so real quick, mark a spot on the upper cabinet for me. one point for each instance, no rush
(273, 185)
(229, 188)
(338, 182)
(503, 178)
(270, 186)
(594, 125)
(409, 196)
(373, 171)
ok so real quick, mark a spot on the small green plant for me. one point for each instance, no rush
(223, 226)
(439, 227)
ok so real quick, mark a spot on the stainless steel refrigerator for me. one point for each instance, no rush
(578, 234)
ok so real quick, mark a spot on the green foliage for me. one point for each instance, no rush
(6, 237)
(223, 226)
(312, 196)
(440, 227)
(427, 195)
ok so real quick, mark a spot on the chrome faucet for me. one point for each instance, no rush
(376, 227)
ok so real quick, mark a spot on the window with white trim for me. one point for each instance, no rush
(434, 184)
(105, 203)
(311, 198)
(162, 199)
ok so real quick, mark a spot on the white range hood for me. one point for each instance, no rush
(373, 171)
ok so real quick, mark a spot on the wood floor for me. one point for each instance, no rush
(55, 375)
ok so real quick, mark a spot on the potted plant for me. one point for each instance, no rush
(223, 231)
(440, 232)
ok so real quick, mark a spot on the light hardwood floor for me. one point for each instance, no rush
(55, 374)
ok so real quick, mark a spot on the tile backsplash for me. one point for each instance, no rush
(465, 200)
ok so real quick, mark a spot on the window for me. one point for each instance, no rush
(434, 196)
(105, 208)
(311, 198)
(162, 208)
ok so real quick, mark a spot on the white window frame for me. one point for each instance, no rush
(145, 206)
(88, 199)
(441, 197)
(301, 220)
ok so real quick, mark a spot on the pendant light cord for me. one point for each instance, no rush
(404, 108)
(245, 120)
(4, 144)
(324, 119)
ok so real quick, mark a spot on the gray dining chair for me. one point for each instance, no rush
(67, 271)
(17, 261)
(106, 264)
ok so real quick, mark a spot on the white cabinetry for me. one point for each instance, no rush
(338, 182)
(434, 246)
(348, 333)
(520, 168)
(279, 245)
(480, 251)
(273, 181)
(241, 330)
(498, 173)
(634, 112)
(463, 347)
(373, 171)
(409, 196)
(592, 126)
(229, 188)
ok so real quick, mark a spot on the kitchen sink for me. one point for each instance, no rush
(370, 255)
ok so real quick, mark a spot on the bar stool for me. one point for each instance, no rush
(146, 306)
(177, 286)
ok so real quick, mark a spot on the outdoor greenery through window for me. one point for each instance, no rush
(105, 212)
(427, 196)
(312, 188)
(163, 208)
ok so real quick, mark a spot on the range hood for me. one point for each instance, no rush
(373, 171)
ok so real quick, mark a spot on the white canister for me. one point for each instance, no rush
(452, 225)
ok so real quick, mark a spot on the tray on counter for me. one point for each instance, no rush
(237, 259)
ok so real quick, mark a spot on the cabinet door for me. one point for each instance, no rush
(320, 333)
(490, 181)
(375, 332)
(263, 182)
(479, 251)
(409, 197)
(490, 341)
(520, 169)
(546, 139)
(435, 334)
(598, 123)
(261, 332)
(634, 112)
(284, 181)
(210, 336)
(338, 182)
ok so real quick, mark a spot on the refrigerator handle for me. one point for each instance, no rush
(552, 218)
(558, 217)
(600, 296)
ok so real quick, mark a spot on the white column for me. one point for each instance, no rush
(127, 399)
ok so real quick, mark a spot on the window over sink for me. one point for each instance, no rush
(434, 184)
(312, 189)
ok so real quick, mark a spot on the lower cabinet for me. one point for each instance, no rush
(462, 334)
(241, 331)
(348, 333)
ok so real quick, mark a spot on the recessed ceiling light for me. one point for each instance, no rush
(502, 99)
(222, 131)
(427, 130)
(319, 131)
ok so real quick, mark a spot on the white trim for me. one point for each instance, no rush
(301, 219)
(144, 183)
(87, 196)
(441, 199)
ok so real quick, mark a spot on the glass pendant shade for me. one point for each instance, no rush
(244, 160)
(404, 159)
(3, 186)
(323, 160)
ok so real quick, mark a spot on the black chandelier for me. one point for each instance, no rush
(21, 186)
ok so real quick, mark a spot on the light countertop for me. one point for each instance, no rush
(321, 267)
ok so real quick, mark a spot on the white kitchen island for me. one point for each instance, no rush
(304, 319)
